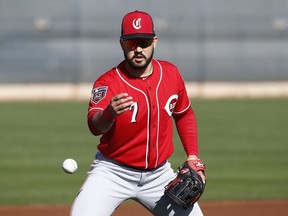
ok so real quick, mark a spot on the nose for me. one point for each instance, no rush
(138, 48)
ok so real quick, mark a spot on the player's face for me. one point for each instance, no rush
(138, 52)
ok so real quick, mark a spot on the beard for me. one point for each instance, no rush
(137, 66)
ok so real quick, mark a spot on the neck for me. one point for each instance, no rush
(140, 73)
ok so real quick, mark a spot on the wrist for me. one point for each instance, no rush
(107, 115)
(192, 157)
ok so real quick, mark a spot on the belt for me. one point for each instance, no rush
(101, 157)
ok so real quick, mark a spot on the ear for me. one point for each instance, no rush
(121, 44)
(155, 40)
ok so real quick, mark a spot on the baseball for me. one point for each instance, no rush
(69, 166)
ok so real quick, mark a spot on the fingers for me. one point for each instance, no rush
(202, 176)
(120, 103)
(119, 96)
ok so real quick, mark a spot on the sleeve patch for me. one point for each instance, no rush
(99, 94)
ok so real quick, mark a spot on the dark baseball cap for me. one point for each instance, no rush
(137, 24)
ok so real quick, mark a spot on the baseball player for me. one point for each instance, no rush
(132, 107)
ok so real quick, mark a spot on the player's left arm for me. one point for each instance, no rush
(186, 125)
(187, 129)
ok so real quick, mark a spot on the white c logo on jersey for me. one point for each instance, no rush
(137, 23)
(170, 104)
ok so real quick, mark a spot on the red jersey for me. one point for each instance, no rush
(142, 137)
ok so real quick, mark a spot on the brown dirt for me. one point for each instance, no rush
(225, 208)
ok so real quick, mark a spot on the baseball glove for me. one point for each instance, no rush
(188, 186)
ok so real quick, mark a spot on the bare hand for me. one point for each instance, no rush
(120, 104)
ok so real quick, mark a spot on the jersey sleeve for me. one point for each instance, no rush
(187, 129)
(185, 120)
(100, 98)
(183, 102)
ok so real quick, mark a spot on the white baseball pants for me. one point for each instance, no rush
(108, 184)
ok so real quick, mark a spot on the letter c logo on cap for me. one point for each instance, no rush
(137, 23)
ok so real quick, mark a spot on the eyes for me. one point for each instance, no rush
(134, 43)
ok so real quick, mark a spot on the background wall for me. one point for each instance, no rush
(75, 41)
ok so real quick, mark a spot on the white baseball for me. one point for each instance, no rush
(69, 166)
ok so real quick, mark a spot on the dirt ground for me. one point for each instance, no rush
(227, 208)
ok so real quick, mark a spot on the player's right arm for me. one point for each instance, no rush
(103, 120)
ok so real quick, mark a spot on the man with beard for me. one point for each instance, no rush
(132, 107)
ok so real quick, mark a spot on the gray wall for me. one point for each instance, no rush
(209, 40)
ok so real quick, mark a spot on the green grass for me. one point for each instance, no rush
(243, 143)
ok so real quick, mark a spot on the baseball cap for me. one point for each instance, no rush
(137, 24)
